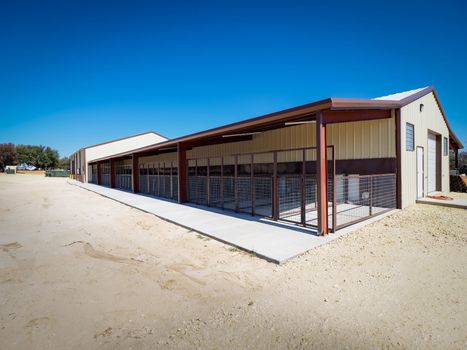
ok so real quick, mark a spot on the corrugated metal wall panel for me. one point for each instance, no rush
(429, 119)
(354, 140)
(165, 157)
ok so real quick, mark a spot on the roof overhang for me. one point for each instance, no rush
(300, 113)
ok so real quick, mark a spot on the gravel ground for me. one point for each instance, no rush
(80, 271)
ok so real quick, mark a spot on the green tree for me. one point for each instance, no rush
(40, 156)
(7, 155)
(64, 163)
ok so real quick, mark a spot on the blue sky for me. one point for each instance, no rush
(74, 73)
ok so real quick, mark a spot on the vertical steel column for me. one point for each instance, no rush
(275, 197)
(321, 175)
(112, 173)
(236, 183)
(222, 182)
(171, 181)
(147, 180)
(135, 173)
(182, 174)
(334, 195)
(196, 183)
(208, 192)
(252, 184)
(99, 173)
(159, 179)
(303, 190)
(371, 195)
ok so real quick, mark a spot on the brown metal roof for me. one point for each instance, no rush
(294, 113)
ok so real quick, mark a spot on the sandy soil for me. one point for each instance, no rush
(81, 271)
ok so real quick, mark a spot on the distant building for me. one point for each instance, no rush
(80, 160)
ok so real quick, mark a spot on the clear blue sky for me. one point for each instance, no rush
(74, 73)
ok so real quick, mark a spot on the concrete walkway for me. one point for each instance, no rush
(274, 241)
(453, 203)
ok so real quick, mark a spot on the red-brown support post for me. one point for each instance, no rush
(456, 157)
(334, 190)
(303, 190)
(112, 173)
(99, 174)
(208, 183)
(275, 188)
(182, 174)
(321, 175)
(135, 173)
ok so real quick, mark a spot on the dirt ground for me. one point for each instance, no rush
(79, 271)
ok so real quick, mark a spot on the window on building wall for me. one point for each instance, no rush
(446, 148)
(409, 137)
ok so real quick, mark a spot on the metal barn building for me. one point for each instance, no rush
(80, 160)
(325, 165)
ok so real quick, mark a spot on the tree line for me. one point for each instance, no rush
(42, 157)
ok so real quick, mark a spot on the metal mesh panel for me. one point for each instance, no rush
(93, 175)
(290, 174)
(201, 190)
(290, 197)
(123, 178)
(383, 194)
(105, 174)
(311, 216)
(175, 187)
(215, 199)
(244, 194)
(165, 186)
(359, 197)
(192, 189)
(263, 195)
(229, 192)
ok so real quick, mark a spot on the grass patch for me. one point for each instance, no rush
(203, 238)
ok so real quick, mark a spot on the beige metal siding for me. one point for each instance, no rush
(353, 140)
(123, 145)
(165, 157)
(432, 119)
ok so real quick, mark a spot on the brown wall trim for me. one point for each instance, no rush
(343, 116)
(367, 166)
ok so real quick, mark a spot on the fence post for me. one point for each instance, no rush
(208, 184)
(334, 195)
(371, 195)
(135, 173)
(275, 197)
(303, 190)
(252, 180)
(222, 182)
(322, 174)
(236, 182)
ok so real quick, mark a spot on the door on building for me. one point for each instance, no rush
(420, 172)
(431, 165)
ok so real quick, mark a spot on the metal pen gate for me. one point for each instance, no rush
(123, 176)
(159, 179)
(105, 174)
(278, 184)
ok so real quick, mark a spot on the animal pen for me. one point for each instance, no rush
(246, 173)
(324, 165)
